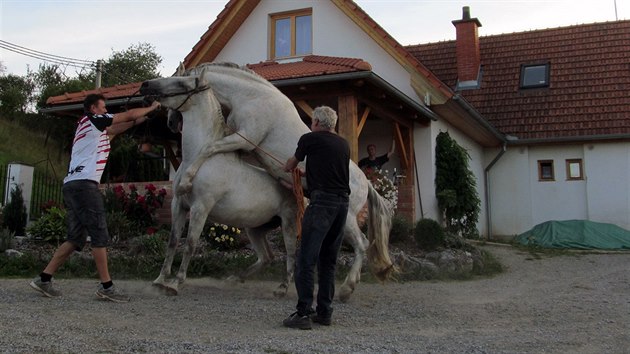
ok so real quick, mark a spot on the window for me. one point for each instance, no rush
(291, 34)
(533, 76)
(545, 170)
(574, 170)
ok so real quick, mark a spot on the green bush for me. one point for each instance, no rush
(14, 213)
(50, 227)
(6, 239)
(150, 245)
(402, 230)
(222, 237)
(120, 228)
(429, 234)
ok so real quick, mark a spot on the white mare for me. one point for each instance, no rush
(227, 190)
(268, 119)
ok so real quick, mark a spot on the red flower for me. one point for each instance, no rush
(151, 230)
(132, 187)
(150, 187)
(140, 199)
(162, 192)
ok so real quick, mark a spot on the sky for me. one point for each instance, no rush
(90, 30)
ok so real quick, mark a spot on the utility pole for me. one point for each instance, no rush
(99, 72)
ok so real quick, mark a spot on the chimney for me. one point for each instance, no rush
(467, 45)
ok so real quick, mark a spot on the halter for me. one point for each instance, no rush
(190, 93)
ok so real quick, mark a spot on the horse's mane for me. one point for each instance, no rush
(249, 73)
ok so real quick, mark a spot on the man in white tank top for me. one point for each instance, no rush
(82, 199)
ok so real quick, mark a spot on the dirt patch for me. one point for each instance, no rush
(558, 304)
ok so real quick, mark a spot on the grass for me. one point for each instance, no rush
(20, 145)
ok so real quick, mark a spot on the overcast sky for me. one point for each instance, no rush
(86, 29)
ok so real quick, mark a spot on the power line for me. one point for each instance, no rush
(46, 55)
(43, 58)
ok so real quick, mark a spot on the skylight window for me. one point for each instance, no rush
(533, 76)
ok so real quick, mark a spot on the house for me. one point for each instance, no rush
(384, 91)
(561, 98)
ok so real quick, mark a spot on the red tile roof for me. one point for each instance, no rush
(589, 80)
(312, 65)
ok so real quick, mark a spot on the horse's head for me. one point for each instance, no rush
(174, 92)
(175, 121)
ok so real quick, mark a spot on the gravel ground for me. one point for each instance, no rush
(563, 304)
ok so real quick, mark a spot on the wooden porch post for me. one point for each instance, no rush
(348, 123)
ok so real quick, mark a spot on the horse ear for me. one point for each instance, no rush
(180, 69)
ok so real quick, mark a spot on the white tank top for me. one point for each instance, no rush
(90, 148)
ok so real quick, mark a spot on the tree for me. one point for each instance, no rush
(14, 212)
(15, 95)
(137, 63)
(455, 187)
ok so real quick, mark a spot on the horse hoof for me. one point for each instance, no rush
(344, 293)
(166, 289)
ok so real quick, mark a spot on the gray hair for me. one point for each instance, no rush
(326, 116)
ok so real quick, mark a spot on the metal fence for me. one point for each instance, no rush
(46, 192)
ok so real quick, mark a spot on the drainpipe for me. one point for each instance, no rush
(486, 180)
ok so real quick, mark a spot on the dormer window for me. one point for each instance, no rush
(533, 76)
(291, 34)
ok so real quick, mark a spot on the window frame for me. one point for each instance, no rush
(291, 15)
(540, 175)
(547, 67)
(568, 166)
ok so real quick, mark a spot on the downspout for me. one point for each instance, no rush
(486, 180)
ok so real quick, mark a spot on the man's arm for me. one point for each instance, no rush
(391, 150)
(291, 163)
(117, 128)
(135, 113)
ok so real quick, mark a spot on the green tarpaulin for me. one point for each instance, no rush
(580, 234)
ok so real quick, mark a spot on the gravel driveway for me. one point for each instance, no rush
(564, 304)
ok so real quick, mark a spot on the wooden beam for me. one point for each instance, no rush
(363, 120)
(306, 108)
(170, 155)
(347, 123)
(383, 113)
(402, 147)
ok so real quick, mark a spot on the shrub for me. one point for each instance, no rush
(139, 209)
(222, 237)
(14, 213)
(429, 234)
(51, 226)
(120, 228)
(151, 245)
(6, 239)
(384, 186)
(402, 230)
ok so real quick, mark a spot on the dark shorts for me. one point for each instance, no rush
(86, 214)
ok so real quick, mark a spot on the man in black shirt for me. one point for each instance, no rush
(327, 175)
(373, 161)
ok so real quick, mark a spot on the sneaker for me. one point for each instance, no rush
(324, 321)
(46, 288)
(297, 321)
(111, 294)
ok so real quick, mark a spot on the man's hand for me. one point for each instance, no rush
(291, 163)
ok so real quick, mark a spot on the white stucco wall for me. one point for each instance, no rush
(334, 34)
(520, 201)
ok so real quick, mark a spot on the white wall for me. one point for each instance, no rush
(520, 201)
(334, 34)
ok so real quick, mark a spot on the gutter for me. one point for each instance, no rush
(568, 139)
(426, 112)
(486, 181)
(461, 101)
(115, 102)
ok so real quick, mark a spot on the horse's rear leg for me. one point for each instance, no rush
(359, 242)
(258, 239)
(177, 227)
(289, 234)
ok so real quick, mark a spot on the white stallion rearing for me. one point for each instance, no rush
(268, 119)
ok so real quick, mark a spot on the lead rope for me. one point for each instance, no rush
(298, 192)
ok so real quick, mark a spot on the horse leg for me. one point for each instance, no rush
(359, 242)
(289, 233)
(227, 144)
(257, 236)
(179, 221)
(198, 216)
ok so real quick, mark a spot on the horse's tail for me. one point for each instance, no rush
(380, 223)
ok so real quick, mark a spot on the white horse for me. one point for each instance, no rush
(226, 190)
(268, 119)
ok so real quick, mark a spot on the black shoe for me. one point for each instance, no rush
(297, 321)
(324, 321)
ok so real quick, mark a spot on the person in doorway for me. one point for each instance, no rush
(373, 161)
(82, 198)
(327, 176)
